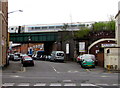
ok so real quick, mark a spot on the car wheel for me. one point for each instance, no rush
(33, 64)
(24, 65)
(93, 66)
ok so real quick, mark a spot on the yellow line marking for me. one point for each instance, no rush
(88, 70)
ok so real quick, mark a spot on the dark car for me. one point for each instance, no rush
(27, 60)
(11, 56)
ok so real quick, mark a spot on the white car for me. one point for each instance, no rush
(80, 58)
(16, 58)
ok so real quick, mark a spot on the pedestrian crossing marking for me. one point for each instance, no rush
(70, 84)
(87, 84)
(66, 80)
(55, 84)
(102, 84)
(40, 84)
(8, 84)
(23, 84)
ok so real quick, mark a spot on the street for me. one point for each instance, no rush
(46, 73)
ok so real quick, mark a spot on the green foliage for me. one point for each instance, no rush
(110, 25)
(82, 32)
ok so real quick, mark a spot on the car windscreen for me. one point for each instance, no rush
(16, 56)
(89, 60)
(28, 58)
(60, 54)
(89, 57)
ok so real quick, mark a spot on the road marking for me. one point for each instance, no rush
(66, 80)
(73, 71)
(24, 69)
(102, 84)
(54, 69)
(40, 84)
(105, 76)
(88, 85)
(88, 70)
(15, 76)
(23, 84)
(70, 84)
(8, 84)
(55, 84)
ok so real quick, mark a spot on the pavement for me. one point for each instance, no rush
(13, 67)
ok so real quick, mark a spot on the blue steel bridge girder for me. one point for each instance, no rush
(33, 37)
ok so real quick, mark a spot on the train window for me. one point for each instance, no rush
(73, 25)
(81, 25)
(32, 28)
(59, 26)
(44, 27)
(51, 27)
(37, 28)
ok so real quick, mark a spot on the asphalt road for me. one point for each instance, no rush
(46, 73)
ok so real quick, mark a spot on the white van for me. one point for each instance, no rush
(57, 56)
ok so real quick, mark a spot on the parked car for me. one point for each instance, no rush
(16, 58)
(22, 55)
(80, 58)
(34, 56)
(88, 63)
(48, 57)
(11, 56)
(57, 56)
(27, 60)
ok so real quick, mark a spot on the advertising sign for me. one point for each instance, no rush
(39, 47)
(67, 48)
(81, 46)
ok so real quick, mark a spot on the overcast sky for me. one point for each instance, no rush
(60, 11)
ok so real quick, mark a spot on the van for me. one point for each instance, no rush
(57, 56)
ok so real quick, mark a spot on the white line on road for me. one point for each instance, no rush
(105, 76)
(55, 84)
(16, 76)
(72, 71)
(40, 84)
(24, 69)
(70, 84)
(23, 84)
(102, 84)
(66, 80)
(8, 84)
(88, 85)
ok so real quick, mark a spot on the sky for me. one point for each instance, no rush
(60, 11)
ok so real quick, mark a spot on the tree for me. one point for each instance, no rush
(84, 31)
(107, 25)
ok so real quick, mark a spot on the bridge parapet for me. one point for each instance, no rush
(33, 37)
